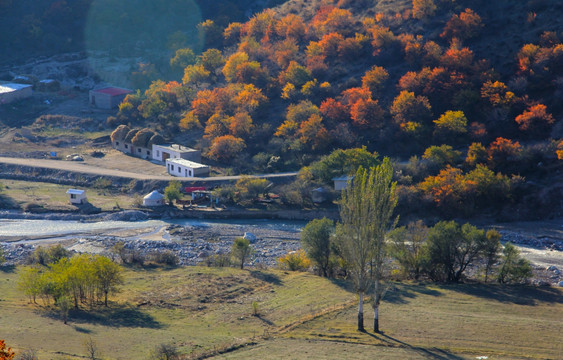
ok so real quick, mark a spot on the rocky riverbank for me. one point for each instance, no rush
(191, 244)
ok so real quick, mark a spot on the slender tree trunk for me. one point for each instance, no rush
(361, 313)
(106, 298)
(376, 319)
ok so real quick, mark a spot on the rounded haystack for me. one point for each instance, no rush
(141, 139)
(156, 140)
(120, 133)
(130, 135)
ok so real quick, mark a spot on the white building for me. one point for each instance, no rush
(175, 151)
(186, 168)
(12, 92)
(77, 196)
(341, 183)
(154, 199)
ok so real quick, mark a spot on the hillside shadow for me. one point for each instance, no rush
(8, 269)
(427, 353)
(402, 294)
(515, 294)
(115, 316)
(267, 277)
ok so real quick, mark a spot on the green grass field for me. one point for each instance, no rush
(201, 310)
(53, 196)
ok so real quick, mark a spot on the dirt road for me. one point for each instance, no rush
(80, 167)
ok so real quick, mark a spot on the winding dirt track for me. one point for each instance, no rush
(89, 169)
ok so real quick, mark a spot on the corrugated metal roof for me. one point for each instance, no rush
(5, 88)
(75, 191)
(187, 163)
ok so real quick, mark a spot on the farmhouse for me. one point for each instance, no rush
(108, 97)
(12, 92)
(186, 168)
(154, 199)
(135, 142)
(76, 196)
(175, 151)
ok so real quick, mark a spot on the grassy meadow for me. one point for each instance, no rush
(54, 197)
(202, 310)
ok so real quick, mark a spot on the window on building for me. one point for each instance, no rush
(138, 150)
(186, 173)
(148, 153)
(72, 196)
(190, 173)
(157, 153)
(117, 143)
(179, 170)
(126, 146)
(172, 167)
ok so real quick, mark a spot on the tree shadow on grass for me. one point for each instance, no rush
(82, 330)
(402, 293)
(115, 316)
(428, 353)
(516, 294)
(267, 277)
(8, 269)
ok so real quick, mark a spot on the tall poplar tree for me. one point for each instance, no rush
(366, 213)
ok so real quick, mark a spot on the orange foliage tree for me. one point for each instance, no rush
(536, 119)
(225, 148)
(408, 108)
(5, 353)
(497, 94)
(463, 26)
(374, 79)
(502, 151)
(367, 114)
(448, 189)
(423, 8)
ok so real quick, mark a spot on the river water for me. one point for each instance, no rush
(10, 228)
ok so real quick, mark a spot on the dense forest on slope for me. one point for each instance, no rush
(466, 95)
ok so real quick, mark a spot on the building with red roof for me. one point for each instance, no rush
(108, 97)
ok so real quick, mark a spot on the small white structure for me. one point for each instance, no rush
(175, 151)
(108, 97)
(77, 196)
(186, 168)
(154, 199)
(12, 92)
(341, 183)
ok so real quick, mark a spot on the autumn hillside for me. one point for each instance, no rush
(465, 95)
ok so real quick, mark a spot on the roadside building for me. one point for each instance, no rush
(174, 151)
(108, 97)
(76, 196)
(154, 199)
(341, 183)
(13, 92)
(186, 168)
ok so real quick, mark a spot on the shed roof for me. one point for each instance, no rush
(187, 163)
(75, 191)
(113, 91)
(175, 147)
(342, 178)
(6, 88)
(155, 195)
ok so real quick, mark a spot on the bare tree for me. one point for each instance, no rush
(366, 211)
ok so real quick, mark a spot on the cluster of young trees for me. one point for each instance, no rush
(80, 279)
(365, 238)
